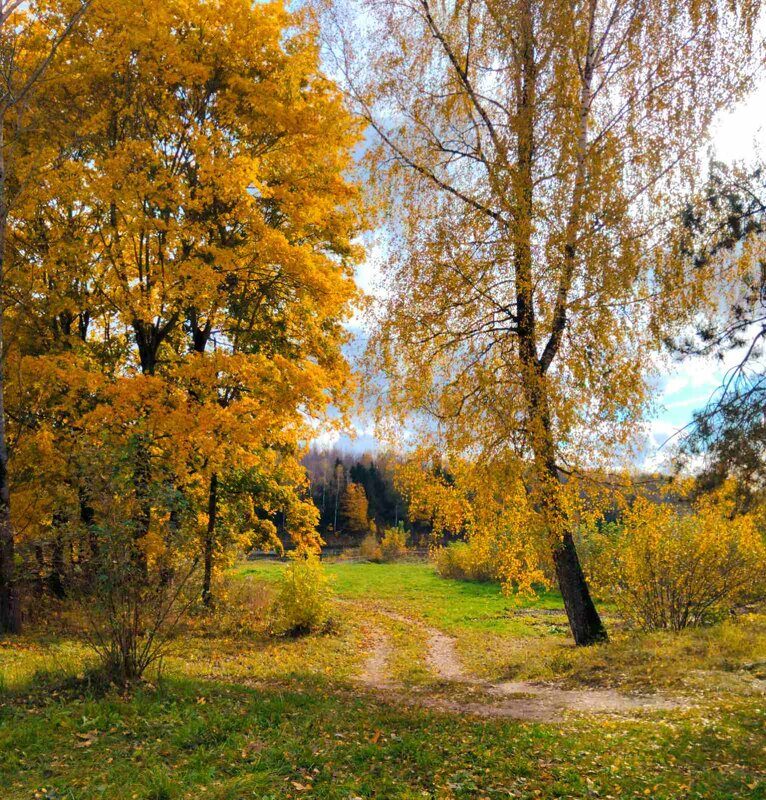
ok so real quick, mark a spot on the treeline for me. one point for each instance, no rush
(356, 494)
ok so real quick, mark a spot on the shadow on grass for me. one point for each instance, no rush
(308, 736)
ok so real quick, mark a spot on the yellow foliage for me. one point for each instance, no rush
(393, 545)
(466, 561)
(489, 506)
(303, 602)
(369, 549)
(536, 269)
(671, 567)
(354, 508)
(183, 276)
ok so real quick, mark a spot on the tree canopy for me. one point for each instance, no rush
(533, 157)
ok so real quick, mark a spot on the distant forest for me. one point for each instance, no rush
(355, 494)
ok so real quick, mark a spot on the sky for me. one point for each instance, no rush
(738, 135)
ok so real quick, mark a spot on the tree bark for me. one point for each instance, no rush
(10, 611)
(56, 582)
(584, 621)
(207, 579)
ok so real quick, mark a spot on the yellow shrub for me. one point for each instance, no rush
(465, 561)
(393, 545)
(303, 602)
(667, 568)
(369, 549)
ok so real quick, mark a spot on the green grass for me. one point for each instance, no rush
(238, 714)
(417, 590)
(498, 636)
(213, 740)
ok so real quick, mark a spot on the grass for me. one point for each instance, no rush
(221, 741)
(498, 636)
(238, 714)
(417, 590)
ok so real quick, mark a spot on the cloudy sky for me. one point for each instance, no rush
(683, 388)
(738, 136)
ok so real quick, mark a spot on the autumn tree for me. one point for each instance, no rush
(353, 508)
(31, 34)
(374, 472)
(190, 267)
(532, 153)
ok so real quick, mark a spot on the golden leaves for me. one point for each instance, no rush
(185, 272)
(668, 565)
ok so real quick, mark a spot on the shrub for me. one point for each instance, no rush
(668, 569)
(369, 549)
(133, 614)
(243, 607)
(136, 593)
(303, 603)
(393, 545)
(465, 561)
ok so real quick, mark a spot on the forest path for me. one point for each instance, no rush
(463, 693)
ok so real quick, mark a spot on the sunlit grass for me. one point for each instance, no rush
(236, 712)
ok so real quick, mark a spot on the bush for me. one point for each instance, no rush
(133, 616)
(303, 603)
(668, 570)
(465, 561)
(243, 607)
(138, 593)
(393, 545)
(370, 550)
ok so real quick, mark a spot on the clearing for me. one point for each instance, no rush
(424, 688)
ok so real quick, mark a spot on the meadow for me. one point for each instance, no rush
(232, 235)
(421, 688)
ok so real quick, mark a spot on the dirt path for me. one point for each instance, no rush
(441, 655)
(520, 700)
(375, 673)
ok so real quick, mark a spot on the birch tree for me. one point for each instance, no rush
(532, 154)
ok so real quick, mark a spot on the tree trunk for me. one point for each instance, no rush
(584, 620)
(142, 476)
(207, 594)
(10, 611)
(87, 517)
(40, 577)
(56, 577)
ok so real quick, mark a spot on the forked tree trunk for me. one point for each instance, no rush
(584, 621)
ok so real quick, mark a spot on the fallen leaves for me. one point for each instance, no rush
(86, 739)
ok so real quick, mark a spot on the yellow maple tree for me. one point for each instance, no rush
(186, 272)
